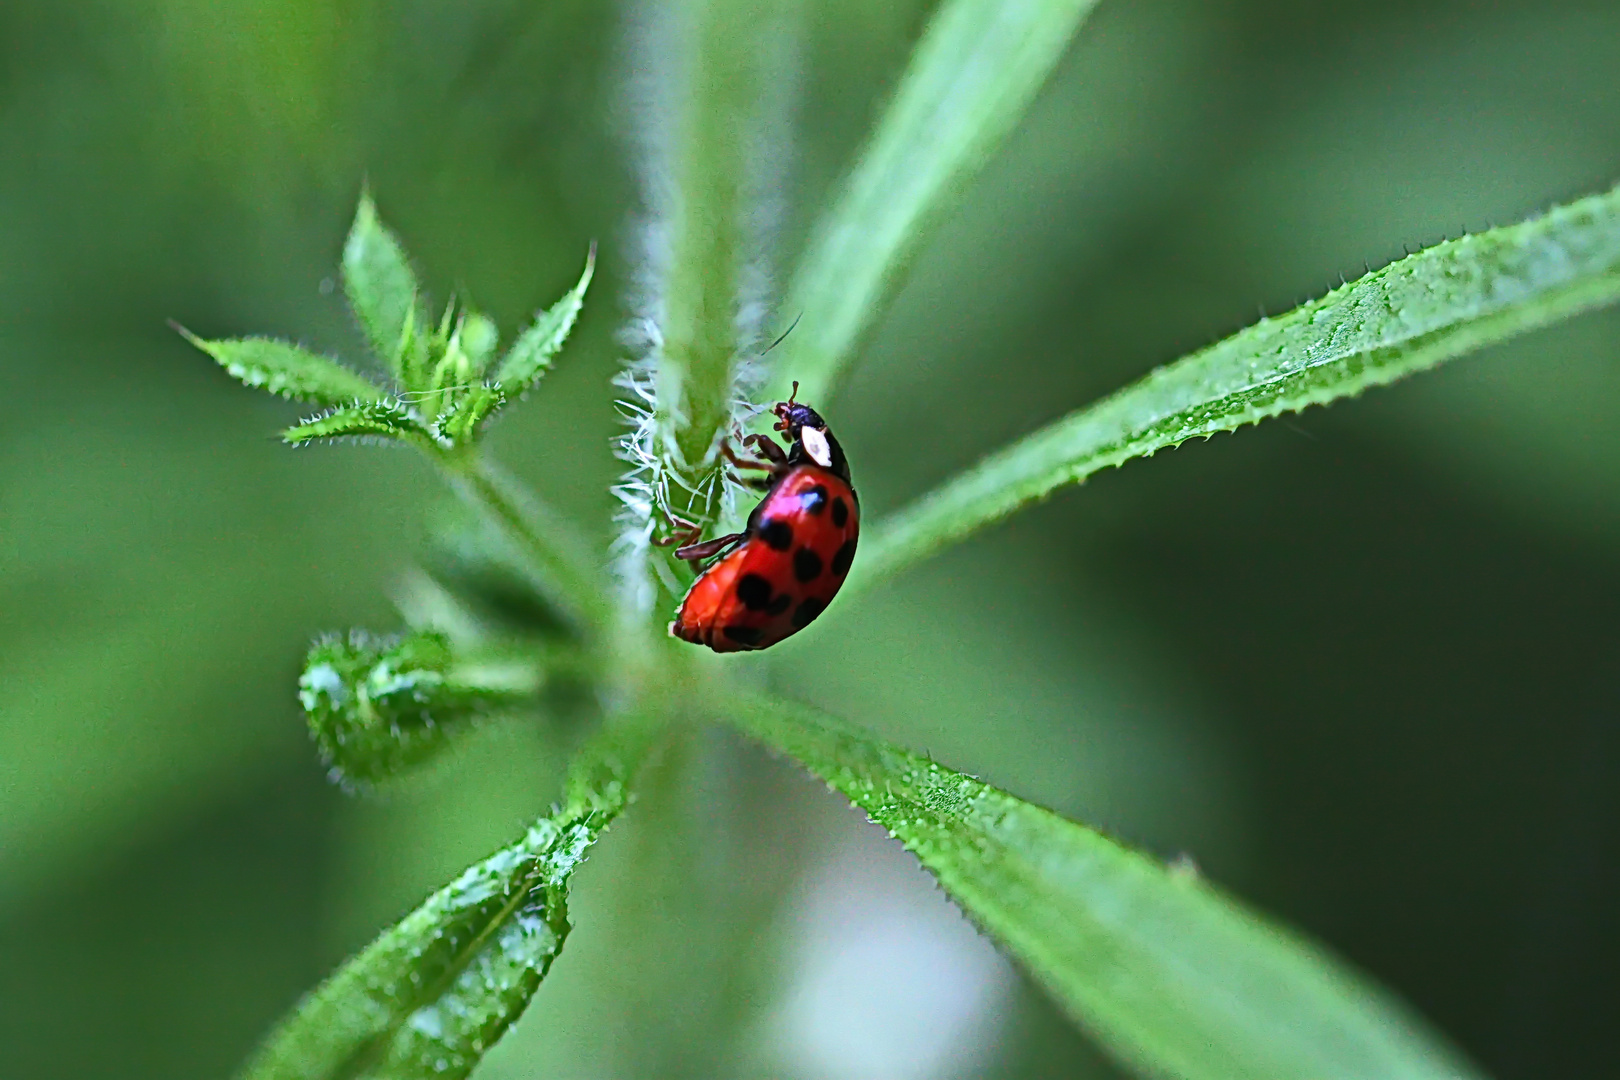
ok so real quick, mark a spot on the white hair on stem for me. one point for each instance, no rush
(659, 55)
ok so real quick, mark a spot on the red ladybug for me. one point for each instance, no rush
(795, 552)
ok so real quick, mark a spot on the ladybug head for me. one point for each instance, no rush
(808, 434)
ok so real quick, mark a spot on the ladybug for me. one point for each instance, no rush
(785, 567)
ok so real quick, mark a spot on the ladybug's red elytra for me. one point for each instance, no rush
(785, 567)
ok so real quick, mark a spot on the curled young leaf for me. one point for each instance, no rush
(433, 993)
(530, 356)
(389, 419)
(377, 708)
(466, 418)
(383, 292)
(286, 370)
(1171, 975)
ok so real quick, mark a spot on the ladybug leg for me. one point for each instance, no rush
(746, 463)
(709, 548)
(683, 532)
(767, 446)
(775, 461)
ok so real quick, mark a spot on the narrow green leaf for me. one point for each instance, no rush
(379, 707)
(383, 291)
(1169, 973)
(472, 408)
(1408, 316)
(432, 994)
(530, 356)
(390, 419)
(286, 370)
(972, 75)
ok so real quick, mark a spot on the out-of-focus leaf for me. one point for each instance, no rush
(530, 356)
(485, 573)
(970, 79)
(287, 370)
(1173, 976)
(377, 708)
(478, 337)
(553, 552)
(391, 419)
(1440, 303)
(432, 994)
(383, 291)
(472, 408)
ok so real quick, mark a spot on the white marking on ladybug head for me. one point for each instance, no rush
(815, 444)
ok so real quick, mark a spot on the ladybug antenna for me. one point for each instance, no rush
(784, 333)
(795, 389)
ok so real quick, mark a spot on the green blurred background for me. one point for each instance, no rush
(1362, 664)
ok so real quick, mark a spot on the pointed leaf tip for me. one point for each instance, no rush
(383, 292)
(285, 370)
(531, 354)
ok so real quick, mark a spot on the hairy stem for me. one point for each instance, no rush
(708, 224)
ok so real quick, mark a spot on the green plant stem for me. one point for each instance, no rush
(553, 549)
(1405, 317)
(708, 225)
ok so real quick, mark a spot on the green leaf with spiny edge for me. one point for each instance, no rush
(379, 707)
(434, 993)
(389, 419)
(384, 294)
(286, 370)
(472, 408)
(970, 78)
(530, 356)
(1440, 303)
(1173, 976)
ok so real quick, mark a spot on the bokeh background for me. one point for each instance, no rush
(1362, 665)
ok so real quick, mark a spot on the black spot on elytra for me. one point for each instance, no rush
(755, 592)
(806, 564)
(845, 556)
(806, 613)
(777, 533)
(814, 501)
(744, 635)
(782, 602)
(840, 512)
